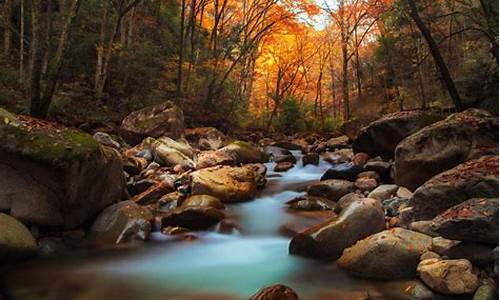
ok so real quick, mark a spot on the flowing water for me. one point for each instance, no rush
(213, 266)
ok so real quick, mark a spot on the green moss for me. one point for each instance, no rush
(55, 147)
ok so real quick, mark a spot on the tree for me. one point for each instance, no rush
(436, 54)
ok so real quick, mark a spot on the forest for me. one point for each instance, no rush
(249, 149)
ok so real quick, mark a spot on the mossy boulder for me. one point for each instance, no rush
(165, 119)
(16, 240)
(55, 176)
(445, 144)
(381, 137)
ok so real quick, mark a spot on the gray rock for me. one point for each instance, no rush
(473, 179)
(328, 240)
(381, 137)
(122, 222)
(460, 137)
(449, 277)
(383, 192)
(164, 119)
(391, 254)
(331, 189)
(473, 220)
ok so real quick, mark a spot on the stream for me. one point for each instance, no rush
(213, 266)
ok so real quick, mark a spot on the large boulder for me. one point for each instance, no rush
(51, 175)
(165, 119)
(473, 179)
(445, 144)
(391, 254)
(327, 240)
(208, 159)
(229, 184)
(450, 277)
(381, 137)
(122, 222)
(331, 189)
(345, 171)
(473, 220)
(16, 240)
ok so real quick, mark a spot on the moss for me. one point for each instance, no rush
(55, 147)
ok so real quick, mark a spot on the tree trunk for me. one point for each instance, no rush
(7, 36)
(37, 53)
(181, 52)
(345, 83)
(436, 54)
(56, 63)
(100, 46)
(48, 33)
(21, 44)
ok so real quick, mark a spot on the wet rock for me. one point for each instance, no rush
(137, 187)
(445, 144)
(285, 158)
(205, 138)
(381, 137)
(169, 230)
(303, 220)
(393, 205)
(54, 176)
(337, 143)
(338, 157)
(391, 254)
(441, 245)
(16, 241)
(106, 140)
(381, 167)
(450, 277)
(403, 192)
(346, 200)
(169, 153)
(229, 184)
(473, 220)
(423, 227)
(283, 166)
(155, 192)
(164, 119)
(203, 200)
(308, 202)
(366, 184)
(369, 174)
(122, 222)
(332, 189)
(276, 292)
(273, 151)
(360, 159)
(209, 159)
(170, 201)
(328, 240)
(192, 217)
(245, 153)
(383, 192)
(310, 159)
(134, 165)
(260, 171)
(429, 255)
(473, 179)
(345, 171)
